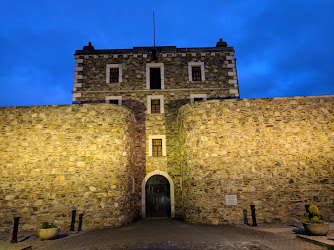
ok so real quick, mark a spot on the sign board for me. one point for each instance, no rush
(231, 200)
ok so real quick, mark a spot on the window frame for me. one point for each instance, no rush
(190, 72)
(162, 74)
(194, 96)
(119, 98)
(156, 149)
(120, 71)
(150, 144)
(155, 107)
(153, 97)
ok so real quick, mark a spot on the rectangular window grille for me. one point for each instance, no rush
(198, 99)
(114, 74)
(155, 106)
(113, 102)
(156, 147)
(196, 73)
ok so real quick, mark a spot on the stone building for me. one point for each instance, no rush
(161, 132)
(154, 82)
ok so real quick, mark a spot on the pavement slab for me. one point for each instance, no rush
(166, 234)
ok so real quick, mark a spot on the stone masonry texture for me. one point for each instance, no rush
(134, 71)
(54, 159)
(277, 154)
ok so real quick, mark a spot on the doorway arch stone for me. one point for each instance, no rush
(143, 192)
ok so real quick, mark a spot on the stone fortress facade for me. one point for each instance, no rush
(161, 132)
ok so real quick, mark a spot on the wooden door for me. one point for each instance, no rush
(158, 197)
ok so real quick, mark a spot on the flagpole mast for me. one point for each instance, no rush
(154, 27)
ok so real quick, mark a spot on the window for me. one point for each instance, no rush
(114, 100)
(156, 147)
(114, 73)
(155, 104)
(198, 97)
(196, 71)
(155, 76)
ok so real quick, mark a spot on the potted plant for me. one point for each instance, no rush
(48, 231)
(315, 223)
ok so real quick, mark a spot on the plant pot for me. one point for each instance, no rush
(316, 229)
(48, 234)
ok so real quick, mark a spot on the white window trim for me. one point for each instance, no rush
(108, 67)
(190, 65)
(193, 96)
(162, 106)
(150, 138)
(162, 73)
(119, 98)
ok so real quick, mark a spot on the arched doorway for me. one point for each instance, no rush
(158, 202)
(143, 190)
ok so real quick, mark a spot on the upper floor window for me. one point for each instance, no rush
(114, 73)
(156, 147)
(155, 104)
(196, 71)
(155, 76)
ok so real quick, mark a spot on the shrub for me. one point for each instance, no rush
(46, 225)
(313, 215)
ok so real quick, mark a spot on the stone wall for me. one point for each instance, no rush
(277, 154)
(219, 68)
(160, 124)
(54, 159)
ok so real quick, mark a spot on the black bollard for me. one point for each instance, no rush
(80, 222)
(253, 215)
(245, 217)
(73, 220)
(16, 229)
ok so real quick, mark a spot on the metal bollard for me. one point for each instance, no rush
(253, 215)
(16, 229)
(80, 222)
(73, 220)
(245, 217)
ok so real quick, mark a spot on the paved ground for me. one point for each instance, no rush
(168, 234)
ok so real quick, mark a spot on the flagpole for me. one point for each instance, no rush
(154, 27)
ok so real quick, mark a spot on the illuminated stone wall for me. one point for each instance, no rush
(275, 153)
(54, 159)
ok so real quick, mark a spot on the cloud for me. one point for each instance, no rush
(282, 49)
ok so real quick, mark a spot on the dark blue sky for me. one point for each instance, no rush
(283, 48)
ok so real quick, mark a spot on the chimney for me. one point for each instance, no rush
(220, 43)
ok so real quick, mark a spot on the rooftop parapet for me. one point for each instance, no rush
(90, 50)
